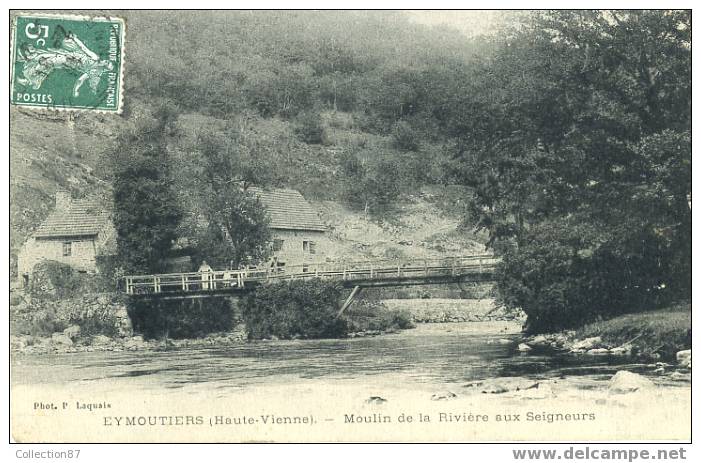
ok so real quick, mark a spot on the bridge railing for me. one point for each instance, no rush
(348, 270)
(183, 282)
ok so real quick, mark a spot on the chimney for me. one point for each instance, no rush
(63, 200)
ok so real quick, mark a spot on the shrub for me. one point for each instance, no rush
(367, 315)
(178, 319)
(309, 128)
(405, 137)
(110, 272)
(52, 279)
(371, 183)
(93, 313)
(41, 323)
(98, 319)
(290, 309)
(565, 274)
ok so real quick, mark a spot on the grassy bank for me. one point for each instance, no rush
(654, 334)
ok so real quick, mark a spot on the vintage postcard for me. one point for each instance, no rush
(350, 226)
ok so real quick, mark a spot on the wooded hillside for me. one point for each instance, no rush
(564, 135)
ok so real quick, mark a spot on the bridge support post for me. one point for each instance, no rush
(349, 301)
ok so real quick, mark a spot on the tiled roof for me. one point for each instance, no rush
(289, 210)
(84, 217)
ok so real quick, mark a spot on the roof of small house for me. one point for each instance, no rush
(289, 210)
(83, 217)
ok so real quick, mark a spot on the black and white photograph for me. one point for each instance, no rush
(343, 226)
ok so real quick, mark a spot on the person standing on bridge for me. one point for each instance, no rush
(206, 272)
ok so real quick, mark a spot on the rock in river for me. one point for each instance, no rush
(624, 382)
(506, 384)
(684, 358)
(61, 339)
(677, 376)
(586, 344)
(625, 349)
(539, 341)
(598, 351)
(444, 395)
(376, 400)
(539, 391)
(524, 347)
(72, 332)
(100, 340)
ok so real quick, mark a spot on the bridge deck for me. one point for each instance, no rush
(365, 274)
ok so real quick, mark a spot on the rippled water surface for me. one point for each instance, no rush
(429, 354)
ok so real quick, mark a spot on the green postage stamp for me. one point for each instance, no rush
(67, 62)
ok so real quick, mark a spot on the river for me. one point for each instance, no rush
(419, 362)
(427, 356)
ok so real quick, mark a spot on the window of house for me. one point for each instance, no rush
(309, 246)
(67, 249)
(277, 244)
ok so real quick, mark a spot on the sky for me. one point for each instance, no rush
(469, 22)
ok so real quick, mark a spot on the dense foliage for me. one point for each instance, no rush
(569, 131)
(294, 309)
(230, 224)
(370, 185)
(179, 319)
(146, 212)
(371, 315)
(580, 159)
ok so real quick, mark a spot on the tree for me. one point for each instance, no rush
(371, 183)
(310, 128)
(233, 229)
(574, 139)
(146, 212)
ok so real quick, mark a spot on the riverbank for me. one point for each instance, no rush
(24, 344)
(42, 331)
(59, 343)
(437, 310)
(653, 336)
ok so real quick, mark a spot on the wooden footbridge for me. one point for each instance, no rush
(356, 275)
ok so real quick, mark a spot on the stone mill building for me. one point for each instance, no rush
(76, 233)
